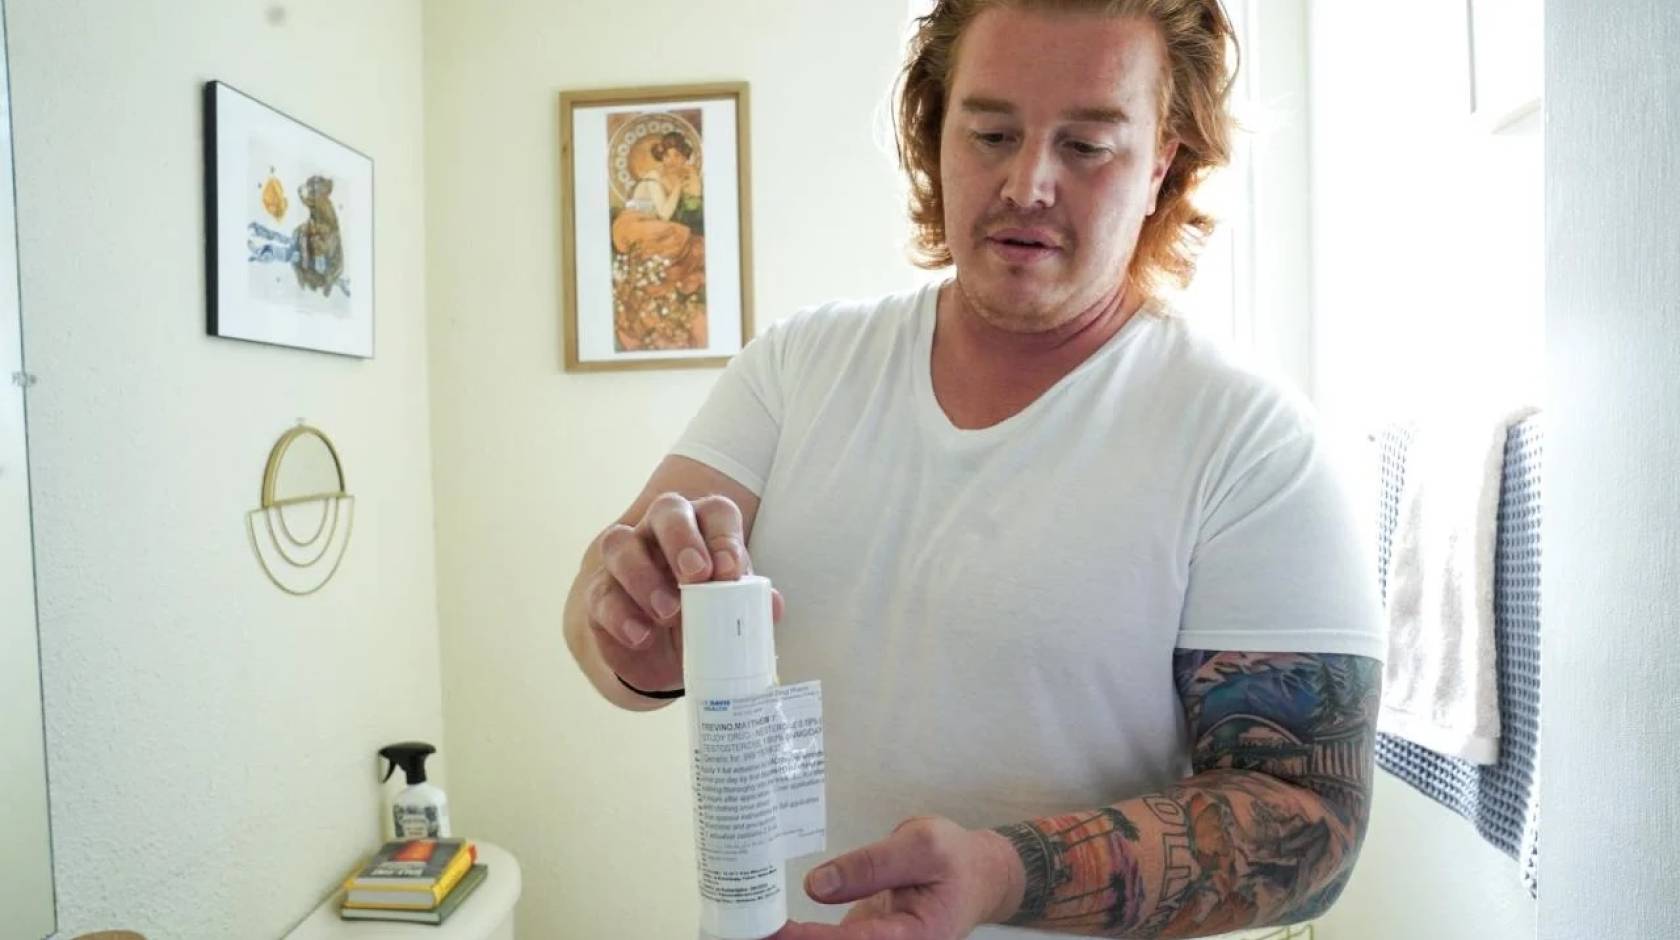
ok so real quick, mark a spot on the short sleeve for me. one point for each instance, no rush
(1280, 563)
(737, 429)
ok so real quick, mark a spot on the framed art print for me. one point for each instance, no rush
(288, 229)
(656, 230)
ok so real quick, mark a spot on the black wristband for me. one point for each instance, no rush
(673, 693)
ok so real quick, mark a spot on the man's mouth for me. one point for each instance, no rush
(1025, 238)
(1024, 246)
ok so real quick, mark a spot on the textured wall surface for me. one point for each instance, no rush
(1609, 815)
(211, 740)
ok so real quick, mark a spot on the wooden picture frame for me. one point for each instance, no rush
(656, 226)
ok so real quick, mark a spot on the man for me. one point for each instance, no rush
(1047, 550)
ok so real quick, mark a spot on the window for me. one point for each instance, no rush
(1428, 261)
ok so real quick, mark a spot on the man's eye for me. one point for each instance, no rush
(989, 138)
(1086, 150)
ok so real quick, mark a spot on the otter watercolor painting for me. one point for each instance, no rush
(290, 212)
(295, 236)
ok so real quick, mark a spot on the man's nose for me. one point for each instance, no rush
(1031, 183)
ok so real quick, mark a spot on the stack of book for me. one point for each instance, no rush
(419, 880)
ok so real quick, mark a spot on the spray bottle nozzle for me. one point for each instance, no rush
(410, 756)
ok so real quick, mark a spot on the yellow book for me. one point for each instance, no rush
(474, 877)
(413, 875)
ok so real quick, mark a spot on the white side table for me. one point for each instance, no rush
(486, 915)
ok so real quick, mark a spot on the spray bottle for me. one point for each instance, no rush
(421, 810)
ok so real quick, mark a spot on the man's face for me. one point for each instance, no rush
(1048, 160)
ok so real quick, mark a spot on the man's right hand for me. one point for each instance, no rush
(632, 599)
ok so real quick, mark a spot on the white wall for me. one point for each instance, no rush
(532, 462)
(1427, 276)
(211, 740)
(1424, 872)
(1611, 818)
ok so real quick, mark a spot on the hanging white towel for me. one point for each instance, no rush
(1439, 685)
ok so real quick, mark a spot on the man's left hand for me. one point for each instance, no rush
(930, 880)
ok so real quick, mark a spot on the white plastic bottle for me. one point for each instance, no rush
(421, 810)
(729, 652)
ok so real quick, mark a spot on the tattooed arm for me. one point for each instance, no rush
(1265, 832)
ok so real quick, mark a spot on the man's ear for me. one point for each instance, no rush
(1164, 156)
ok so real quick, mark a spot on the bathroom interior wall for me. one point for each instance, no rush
(211, 741)
(1611, 820)
(1424, 872)
(531, 462)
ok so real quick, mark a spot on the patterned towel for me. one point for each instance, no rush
(1502, 799)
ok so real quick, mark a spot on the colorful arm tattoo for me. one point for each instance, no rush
(1265, 833)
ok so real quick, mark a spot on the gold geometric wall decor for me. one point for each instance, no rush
(305, 509)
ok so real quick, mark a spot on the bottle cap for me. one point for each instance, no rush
(727, 630)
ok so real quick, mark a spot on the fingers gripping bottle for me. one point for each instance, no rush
(729, 653)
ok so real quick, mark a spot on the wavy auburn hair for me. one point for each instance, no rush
(1195, 88)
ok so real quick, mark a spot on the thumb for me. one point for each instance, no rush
(905, 858)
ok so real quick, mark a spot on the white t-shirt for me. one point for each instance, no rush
(993, 612)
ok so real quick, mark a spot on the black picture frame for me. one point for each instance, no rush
(288, 230)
